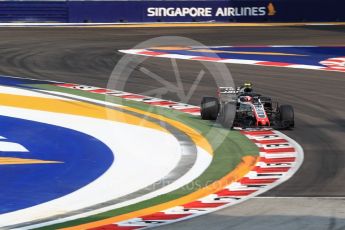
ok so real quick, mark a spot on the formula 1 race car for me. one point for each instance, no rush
(242, 108)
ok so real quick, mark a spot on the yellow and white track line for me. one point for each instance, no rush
(154, 155)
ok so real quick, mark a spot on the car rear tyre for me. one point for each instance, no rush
(209, 108)
(287, 117)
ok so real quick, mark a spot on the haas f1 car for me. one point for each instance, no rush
(242, 108)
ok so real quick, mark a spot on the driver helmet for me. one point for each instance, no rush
(247, 87)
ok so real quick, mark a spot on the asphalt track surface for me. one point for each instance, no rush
(88, 56)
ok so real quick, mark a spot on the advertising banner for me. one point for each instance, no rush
(201, 11)
(173, 11)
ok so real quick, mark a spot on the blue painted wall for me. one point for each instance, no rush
(137, 11)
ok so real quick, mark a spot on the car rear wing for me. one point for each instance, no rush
(227, 94)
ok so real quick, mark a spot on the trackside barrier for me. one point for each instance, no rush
(173, 11)
(37, 11)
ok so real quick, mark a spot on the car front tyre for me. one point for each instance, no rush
(209, 108)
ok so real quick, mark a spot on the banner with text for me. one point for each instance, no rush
(173, 11)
